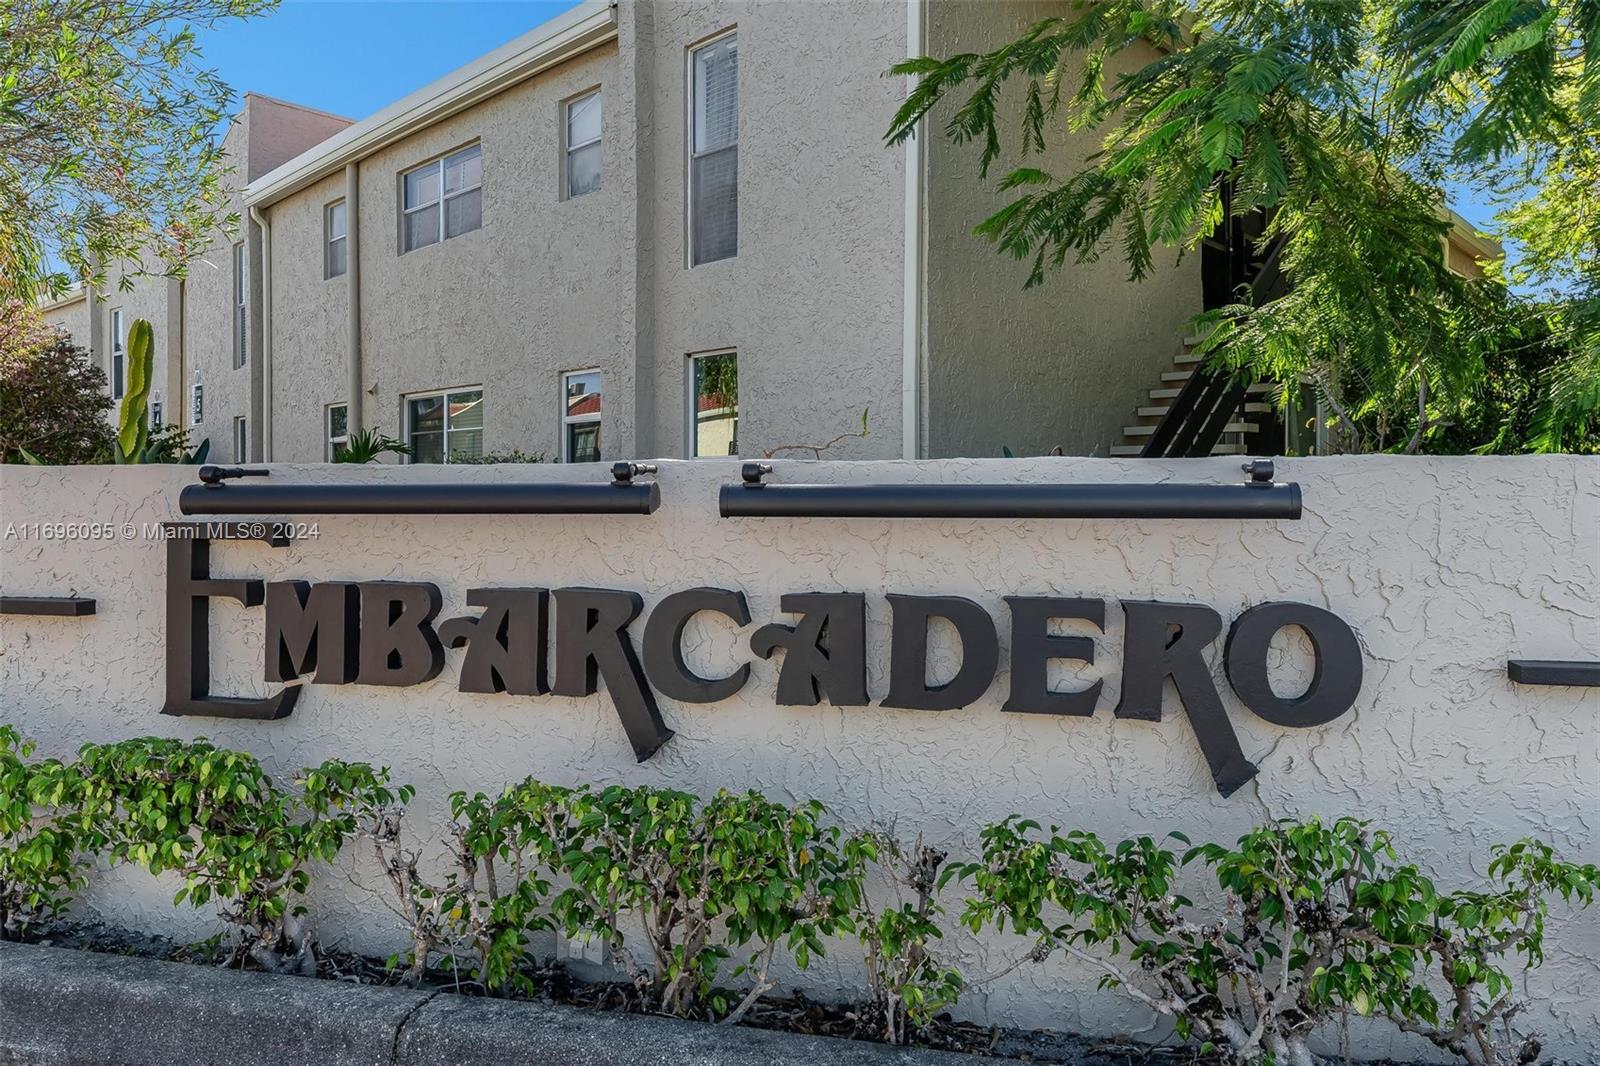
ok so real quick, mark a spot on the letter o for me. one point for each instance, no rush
(1335, 683)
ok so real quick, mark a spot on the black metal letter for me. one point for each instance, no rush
(825, 653)
(190, 587)
(398, 644)
(1032, 648)
(313, 628)
(908, 652)
(1151, 655)
(1335, 684)
(592, 641)
(663, 645)
(506, 645)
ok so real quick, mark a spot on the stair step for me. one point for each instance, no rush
(1220, 449)
(1177, 375)
(1161, 411)
(1171, 394)
(1231, 427)
(1186, 358)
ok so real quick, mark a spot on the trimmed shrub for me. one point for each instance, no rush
(1312, 921)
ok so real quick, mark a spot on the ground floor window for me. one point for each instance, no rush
(580, 416)
(337, 422)
(714, 404)
(445, 426)
(241, 441)
(119, 340)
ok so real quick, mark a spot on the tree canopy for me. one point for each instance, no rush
(1338, 125)
(53, 399)
(108, 147)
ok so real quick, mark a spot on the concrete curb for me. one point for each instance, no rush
(61, 1007)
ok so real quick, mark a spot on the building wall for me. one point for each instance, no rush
(230, 392)
(1061, 365)
(812, 302)
(310, 337)
(1444, 567)
(513, 304)
(154, 299)
(71, 315)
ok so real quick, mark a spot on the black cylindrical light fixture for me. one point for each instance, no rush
(622, 495)
(1259, 498)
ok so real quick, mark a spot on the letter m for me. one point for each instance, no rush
(313, 628)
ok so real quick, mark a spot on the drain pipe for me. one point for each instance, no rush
(266, 332)
(911, 299)
(352, 246)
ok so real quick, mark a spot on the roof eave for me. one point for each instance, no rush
(585, 27)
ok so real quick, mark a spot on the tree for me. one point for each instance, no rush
(53, 400)
(1334, 128)
(108, 153)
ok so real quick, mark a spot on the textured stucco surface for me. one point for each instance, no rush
(1061, 365)
(72, 316)
(811, 302)
(1444, 567)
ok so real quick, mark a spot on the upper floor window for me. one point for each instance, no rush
(336, 259)
(580, 417)
(714, 151)
(338, 430)
(583, 145)
(714, 405)
(241, 320)
(445, 427)
(119, 354)
(443, 199)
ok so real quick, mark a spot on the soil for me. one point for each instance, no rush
(554, 984)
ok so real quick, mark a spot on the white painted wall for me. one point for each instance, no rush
(1445, 568)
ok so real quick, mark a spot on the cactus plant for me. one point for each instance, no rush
(133, 417)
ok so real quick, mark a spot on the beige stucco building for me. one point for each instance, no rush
(654, 228)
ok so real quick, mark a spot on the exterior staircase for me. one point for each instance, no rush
(1240, 434)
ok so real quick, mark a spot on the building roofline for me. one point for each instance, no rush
(72, 296)
(299, 107)
(1465, 233)
(586, 26)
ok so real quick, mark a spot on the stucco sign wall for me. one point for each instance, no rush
(1125, 676)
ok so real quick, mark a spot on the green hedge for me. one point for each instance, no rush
(1303, 924)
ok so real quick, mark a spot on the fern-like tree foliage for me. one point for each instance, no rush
(1335, 126)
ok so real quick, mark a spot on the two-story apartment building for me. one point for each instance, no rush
(650, 228)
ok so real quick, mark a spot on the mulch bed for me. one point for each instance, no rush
(554, 984)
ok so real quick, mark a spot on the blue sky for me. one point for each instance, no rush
(352, 57)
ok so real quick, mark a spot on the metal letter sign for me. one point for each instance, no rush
(383, 633)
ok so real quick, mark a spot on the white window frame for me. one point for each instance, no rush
(329, 240)
(691, 407)
(439, 165)
(405, 414)
(567, 420)
(119, 354)
(241, 439)
(330, 442)
(689, 154)
(197, 401)
(568, 147)
(241, 306)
